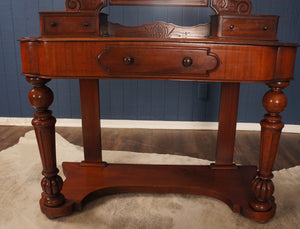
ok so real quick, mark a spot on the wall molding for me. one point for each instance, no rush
(109, 123)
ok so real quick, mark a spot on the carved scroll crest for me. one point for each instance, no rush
(85, 5)
(73, 5)
(232, 6)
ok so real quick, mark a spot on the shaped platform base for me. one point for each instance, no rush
(85, 182)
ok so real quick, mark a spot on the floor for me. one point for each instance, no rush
(193, 143)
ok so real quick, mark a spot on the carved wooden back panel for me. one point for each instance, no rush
(233, 19)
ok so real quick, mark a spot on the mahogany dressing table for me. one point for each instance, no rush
(235, 47)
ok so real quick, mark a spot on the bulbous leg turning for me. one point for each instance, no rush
(263, 190)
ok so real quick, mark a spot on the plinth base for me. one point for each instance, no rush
(84, 183)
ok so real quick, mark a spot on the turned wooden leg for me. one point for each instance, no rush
(41, 97)
(274, 102)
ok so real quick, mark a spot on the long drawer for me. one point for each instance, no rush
(158, 60)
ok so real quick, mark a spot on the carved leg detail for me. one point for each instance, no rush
(274, 102)
(41, 97)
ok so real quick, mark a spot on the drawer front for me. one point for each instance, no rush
(253, 28)
(158, 60)
(69, 25)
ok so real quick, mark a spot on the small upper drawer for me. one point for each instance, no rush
(69, 23)
(147, 60)
(245, 27)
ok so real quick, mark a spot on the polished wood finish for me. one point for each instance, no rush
(144, 60)
(285, 70)
(158, 29)
(250, 53)
(85, 5)
(41, 97)
(124, 178)
(244, 27)
(241, 7)
(64, 23)
(90, 116)
(274, 102)
(227, 123)
(54, 60)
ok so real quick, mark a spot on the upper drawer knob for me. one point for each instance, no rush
(187, 61)
(86, 24)
(265, 28)
(53, 24)
(128, 60)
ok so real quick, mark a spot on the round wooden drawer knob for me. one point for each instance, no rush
(187, 61)
(128, 60)
(53, 24)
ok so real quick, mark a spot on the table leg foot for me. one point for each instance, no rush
(64, 209)
(259, 216)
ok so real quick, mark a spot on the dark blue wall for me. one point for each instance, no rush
(138, 99)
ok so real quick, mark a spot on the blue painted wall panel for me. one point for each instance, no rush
(144, 99)
(138, 99)
(3, 85)
(158, 99)
(74, 106)
(9, 72)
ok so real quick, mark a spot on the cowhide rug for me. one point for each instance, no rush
(20, 176)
